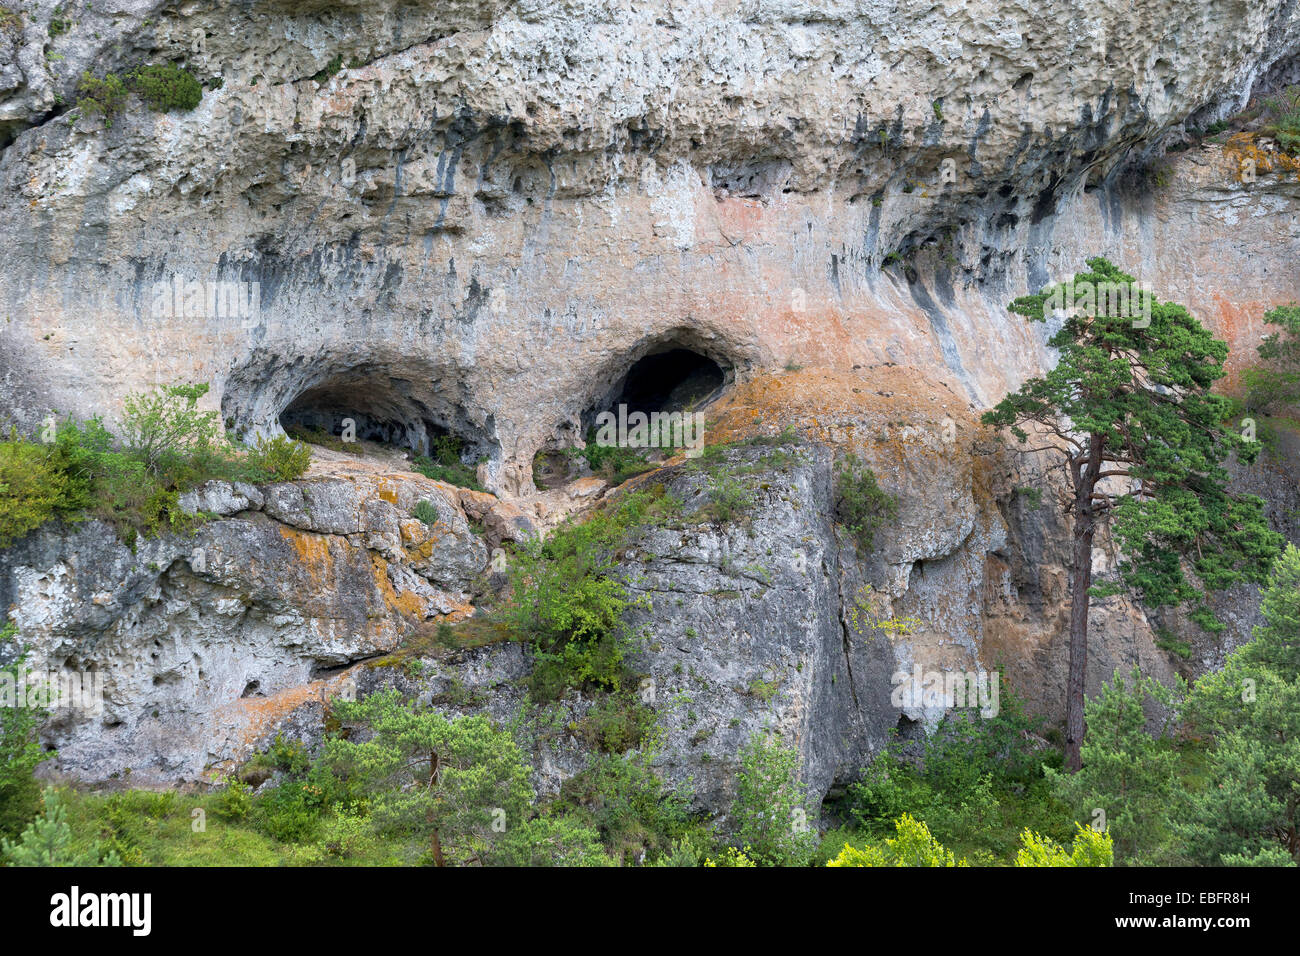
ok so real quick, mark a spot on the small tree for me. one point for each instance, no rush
(1128, 410)
(1250, 812)
(1277, 381)
(461, 782)
(20, 745)
(161, 425)
(861, 505)
(47, 841)
(1128, 774)
(770, 813)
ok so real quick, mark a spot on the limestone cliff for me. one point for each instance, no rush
(478, 218)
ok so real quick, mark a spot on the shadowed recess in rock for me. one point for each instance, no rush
(379, 411)
(670, 381)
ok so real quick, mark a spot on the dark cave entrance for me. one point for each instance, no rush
(673, 380)
(380, 411)
(651, 410)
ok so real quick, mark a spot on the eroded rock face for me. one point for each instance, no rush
(487, 216)
(491, 210)
(201, 639)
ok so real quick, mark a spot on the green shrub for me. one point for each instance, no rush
(1283, 112)
(33, 489)
(912, 845)
(236, 801)
(729, 498)
(105, 97)
(770, 811)
(614, 463)
(425, 511)
(281, 458)
(446, 463)
(978, 782)
(617, 723)
(861, 506)
(165, 87)
(163, 428)
(623, 799)
(1128, 774)
(330, 70)
(568, 600)
(48, 841)
(20, 747)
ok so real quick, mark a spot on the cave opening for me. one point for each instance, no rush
(651, 409)
(672, 380)
(381, 411)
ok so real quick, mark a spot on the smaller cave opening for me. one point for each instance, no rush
(670, 381)
(651, 409)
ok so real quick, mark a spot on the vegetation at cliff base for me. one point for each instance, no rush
(73, 470)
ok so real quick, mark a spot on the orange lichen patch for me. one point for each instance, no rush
(255, 716)
(1244, 150)
(1242, 326)
(386, 491)
(313, 552)
(414, 531)
(835, 406)
(406, 603)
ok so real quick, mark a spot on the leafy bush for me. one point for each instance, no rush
(614, 463)
(236, 801)
(568, 600)
(34, 489)
(975, 785)
(617, 723)
(913, 845)
(165, 87)
(625, 801)
(281, 458)
(105, 97)
(1091, 848)
(425, 511)
(1276, 382)
(770, 812)
(169, 446)
(729, 498)
(163, 428)
(1249, 814)
(861, 506)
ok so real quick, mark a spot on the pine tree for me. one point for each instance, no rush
(461, 782)
(1128, 774)
(47, 841)
(1128, 409)
(1250, 812)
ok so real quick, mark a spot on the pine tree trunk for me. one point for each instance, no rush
(1085, 528)
(435, 840)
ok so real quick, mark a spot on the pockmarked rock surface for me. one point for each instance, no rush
(201, 639)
